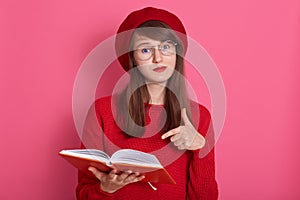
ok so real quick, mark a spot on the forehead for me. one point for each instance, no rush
(139, 40)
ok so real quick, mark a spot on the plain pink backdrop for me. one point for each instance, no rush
(254, 43)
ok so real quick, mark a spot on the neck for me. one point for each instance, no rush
(157, 93)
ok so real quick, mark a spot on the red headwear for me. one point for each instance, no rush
(134, 20)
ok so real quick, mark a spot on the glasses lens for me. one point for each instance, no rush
(144, 53)
(168, 48)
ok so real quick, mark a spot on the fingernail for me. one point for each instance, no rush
(90, 169)
(162, 137)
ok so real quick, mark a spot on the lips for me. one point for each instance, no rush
(160, 69)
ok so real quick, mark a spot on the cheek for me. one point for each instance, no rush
(144, 70)
(172, 62)
(138, 62)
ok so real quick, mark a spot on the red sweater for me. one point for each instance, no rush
(194, 176)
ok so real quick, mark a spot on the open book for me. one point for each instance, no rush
(122, 160)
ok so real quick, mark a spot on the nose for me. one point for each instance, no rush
(157, 57)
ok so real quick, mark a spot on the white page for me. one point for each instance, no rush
(93, 154)
(130, 156)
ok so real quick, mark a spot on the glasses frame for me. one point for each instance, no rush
(160, 48)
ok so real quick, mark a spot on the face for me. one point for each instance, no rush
(155, 59)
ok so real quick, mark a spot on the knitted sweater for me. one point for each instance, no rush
(194, 176)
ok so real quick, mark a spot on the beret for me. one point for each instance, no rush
(134, 20)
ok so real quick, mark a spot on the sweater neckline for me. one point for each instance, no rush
(154, 105)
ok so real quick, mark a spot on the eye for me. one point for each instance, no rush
(166, 47)
(146, 50)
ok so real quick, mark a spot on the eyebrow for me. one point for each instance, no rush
(145, 43)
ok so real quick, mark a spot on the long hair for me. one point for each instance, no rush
(137, 94)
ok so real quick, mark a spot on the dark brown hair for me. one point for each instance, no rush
(136, 93)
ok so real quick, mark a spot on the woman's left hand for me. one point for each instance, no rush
(185, 137)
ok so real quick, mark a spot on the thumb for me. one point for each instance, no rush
(96, 172)
(185, 117)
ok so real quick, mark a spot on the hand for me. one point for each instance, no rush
(186, 136)
(112, 182)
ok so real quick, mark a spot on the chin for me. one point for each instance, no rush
(158, 81)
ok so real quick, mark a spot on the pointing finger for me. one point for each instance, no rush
(176, 137)
(170, 133)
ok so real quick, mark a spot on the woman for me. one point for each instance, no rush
(152, 114)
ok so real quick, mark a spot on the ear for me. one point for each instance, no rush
(132, 61)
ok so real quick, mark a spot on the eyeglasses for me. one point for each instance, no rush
(145, 52)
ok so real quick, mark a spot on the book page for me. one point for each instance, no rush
(92, 154)
(134, 157)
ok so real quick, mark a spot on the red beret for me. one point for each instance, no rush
(134, 20)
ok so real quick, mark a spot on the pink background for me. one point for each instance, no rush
(254, 43)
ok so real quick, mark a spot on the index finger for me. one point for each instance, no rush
(170, 133)
(123, 175)
(98, 174)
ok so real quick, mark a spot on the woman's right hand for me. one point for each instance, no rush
(112, 182)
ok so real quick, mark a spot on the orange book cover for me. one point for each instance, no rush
(122, 160)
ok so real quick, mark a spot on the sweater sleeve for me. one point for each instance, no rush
(88, 187)
(202, 183)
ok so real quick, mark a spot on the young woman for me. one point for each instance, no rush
(152, 114)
